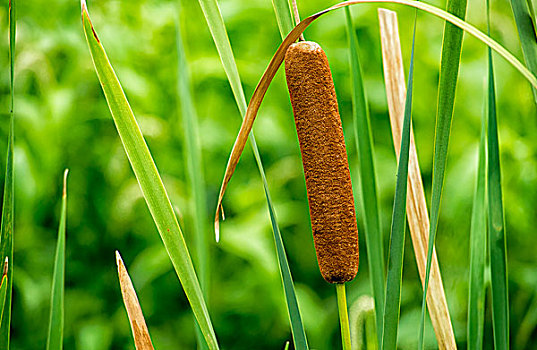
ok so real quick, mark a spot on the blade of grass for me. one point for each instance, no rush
(3, 289)
(218, 30)
(368, 178)
(497, 239)
(277, 59)
(55, 329)
(478, 249)
(6, 229)
(149, 180)
(449, 72)
(417, 215)
(140, 333)
(284, 16)
(195, 175)
(397, 235)
(526, 32)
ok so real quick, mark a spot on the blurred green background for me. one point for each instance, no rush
(62, 121)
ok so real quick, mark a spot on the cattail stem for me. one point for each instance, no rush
(343, 316)
(297, 18)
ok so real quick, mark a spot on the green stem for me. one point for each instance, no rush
(343, 316)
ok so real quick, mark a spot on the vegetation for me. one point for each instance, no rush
(152, 192)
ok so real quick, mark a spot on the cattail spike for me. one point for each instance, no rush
(324, 157)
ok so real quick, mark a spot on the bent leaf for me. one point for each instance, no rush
(279, 55)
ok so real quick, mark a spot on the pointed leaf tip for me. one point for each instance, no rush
(217, 229)
(65, 173)
(119, 260)
(219, 209)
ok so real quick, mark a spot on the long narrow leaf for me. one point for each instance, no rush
(149, 180)
(6, 229)
(449, 72)
(397, 235)
(218, 30)
(193, 160)
(497, 239)
(140, 333)
(368, 178)
(55, 328)
(195, 175)
(284, 16)
(417, 214)
(478, 249)
(526, 32)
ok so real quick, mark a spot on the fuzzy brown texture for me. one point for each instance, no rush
(324, 157)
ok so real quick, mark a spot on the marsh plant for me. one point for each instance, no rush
(379, 121)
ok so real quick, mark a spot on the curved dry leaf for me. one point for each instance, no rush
(278, 57)
(140, 333)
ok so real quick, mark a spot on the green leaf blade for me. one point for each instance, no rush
(478, 250)
(6, 226)
(218, 30)
(56, 322)
(195, 174)
(497, 238)
(284, 16)
(526, 31)
(149, 180)
(368, 178)
(398, 228)
(449, 72)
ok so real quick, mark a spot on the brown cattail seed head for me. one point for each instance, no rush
(324, 157)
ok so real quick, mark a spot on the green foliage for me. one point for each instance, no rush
(56, 324)
(220, 38)
(284, 16)
(496, 225)
(525, 22)
(6, 226)
(63, 120)
(149, 180)
(449, 73)
(390, 321)
(195, 176)
(368, 178)
(478, 248)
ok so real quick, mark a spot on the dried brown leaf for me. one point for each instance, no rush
(140, 333)
(418, 217)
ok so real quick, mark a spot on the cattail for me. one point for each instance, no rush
(324, 158)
